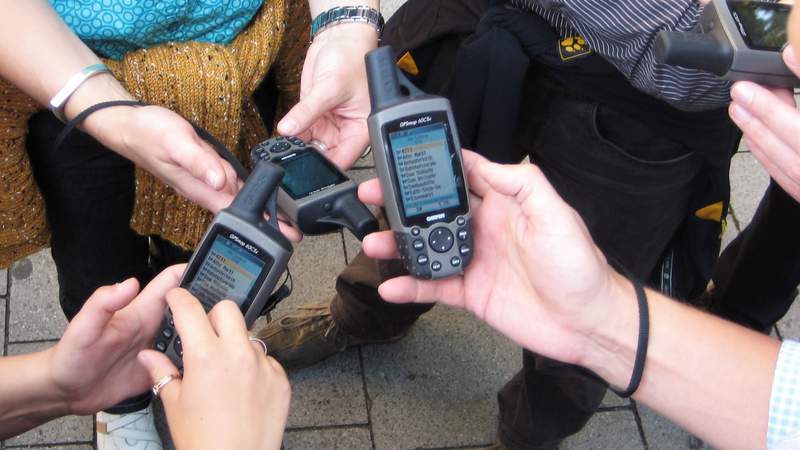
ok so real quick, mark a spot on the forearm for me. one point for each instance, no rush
(40, 54)
(711, 377)
(27, 396)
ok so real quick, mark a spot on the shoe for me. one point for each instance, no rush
(133, 431)
(308, 335)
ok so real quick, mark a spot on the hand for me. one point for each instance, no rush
(334, 98)
(165, 144)
(771, 126)
(95, 365)
(231, 395)
(536, 276)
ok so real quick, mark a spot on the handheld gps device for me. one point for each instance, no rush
(240, 258)
(736, 40)
(418, 159)
(315, 194)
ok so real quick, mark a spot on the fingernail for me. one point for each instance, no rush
(214, 179)
(742, 93)
(287, 126)
(739, 114)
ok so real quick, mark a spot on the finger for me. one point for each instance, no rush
(191, 320)
(380, 245)
(320, 100)
(227, 320)
(370, 192)
(790, 58)
(191, 153)
(199, 192)
(151, 302)
(98, 310)
(758, 134)
(531, 190)
(407, 289)
(472, 164)
(290, 231)
(788, 183)
(159, 366)
(758, 102)
(349, 150)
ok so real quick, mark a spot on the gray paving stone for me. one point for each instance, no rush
(3, 282)
(332, 439)
(2, 325)
(731, 231)
(35, 312)
(58, 447)
(661, 434)
(330, 393)
(748, 182)
(437, 387)
(789, 326)
(315, 263)
(607, 430)
(388, 7)
(611, 400)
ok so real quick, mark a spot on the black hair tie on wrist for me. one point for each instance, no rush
(70, 126)
(641, 348)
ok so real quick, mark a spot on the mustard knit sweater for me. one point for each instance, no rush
(209, 84)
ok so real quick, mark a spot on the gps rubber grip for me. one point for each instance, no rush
(694, 51)
(251, 202)
(357, 217)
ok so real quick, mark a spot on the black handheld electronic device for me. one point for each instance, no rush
(736, 40)
(317, 197)
(240, 258)
(419, 164)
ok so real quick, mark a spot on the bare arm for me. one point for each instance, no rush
(538, 278)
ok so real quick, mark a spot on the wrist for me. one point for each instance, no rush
(610, 349)
(356, 32)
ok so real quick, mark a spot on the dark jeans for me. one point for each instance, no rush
(631, 186)
(758, 272)
(89, 193)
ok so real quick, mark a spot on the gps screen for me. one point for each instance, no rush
(424, 169)
(762, 25)
(228, 271)
(307, 173)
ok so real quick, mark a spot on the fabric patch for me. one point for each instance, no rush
(408, 65)
(573, 47)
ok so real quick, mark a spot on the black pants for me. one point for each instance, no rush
(89, 193)
(758, 272)
(631, 186)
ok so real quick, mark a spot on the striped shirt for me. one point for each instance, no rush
(623, 32)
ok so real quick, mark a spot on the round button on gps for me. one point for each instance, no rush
(441, 240)
(418, 244)
(461, 221)
(415, 231)
(455, 261)
(436, 266)
(422, 260)
(463, 235)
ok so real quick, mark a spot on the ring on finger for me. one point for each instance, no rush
(263, 344)
(163, 382)
(321, 146)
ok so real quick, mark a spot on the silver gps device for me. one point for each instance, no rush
(418, 160)
(736, 40)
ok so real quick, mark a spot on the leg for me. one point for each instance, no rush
(632, 188)
(89, 193)
(768, 249)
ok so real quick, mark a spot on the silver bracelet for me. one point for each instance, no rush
(347, 14)
(60, 99)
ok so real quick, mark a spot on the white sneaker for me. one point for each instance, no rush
(134, 431)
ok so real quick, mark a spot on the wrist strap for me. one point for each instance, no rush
(347, 14)
(644, 336)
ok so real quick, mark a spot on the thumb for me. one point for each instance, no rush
(193, 155)
(98, 310)
(791, 59)
(159, 366)
(321, 100)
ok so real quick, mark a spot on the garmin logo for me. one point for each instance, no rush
(413, 123)
(239, 241)
(435, 217)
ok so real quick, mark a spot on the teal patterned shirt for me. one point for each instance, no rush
(114, 27)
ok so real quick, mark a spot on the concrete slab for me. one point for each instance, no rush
(2, 326)
(437, 387)
(388, 7)
(661, 434)
(332, 439)
(613, 400)
(613, 429)
(3, 282)
(330, 393)
(789, 326)
(57, 447)
(731, 231)
(35, 312)
(748, 182)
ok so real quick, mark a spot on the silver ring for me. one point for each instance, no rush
(263, 344)
(367, 151)
(321, 146)
(163, 382)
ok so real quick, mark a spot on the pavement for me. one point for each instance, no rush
(435, 389)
